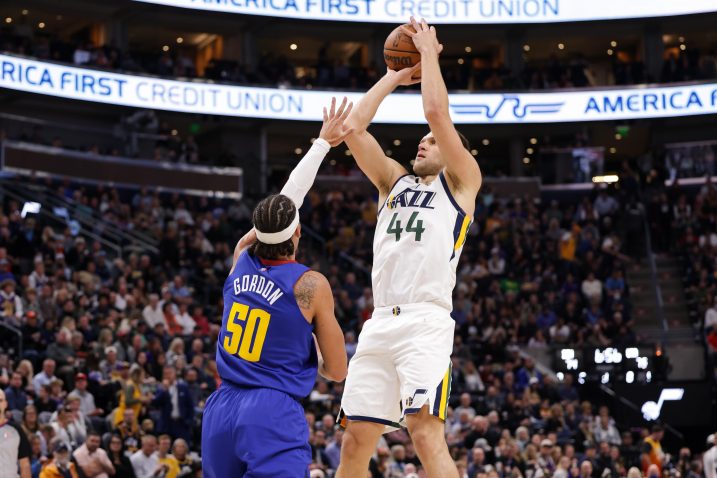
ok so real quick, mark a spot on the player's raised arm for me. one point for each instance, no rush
(462, 169)
(333, 132)
(313, 294)
(381, 170)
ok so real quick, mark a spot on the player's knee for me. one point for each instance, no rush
(356, 442)
(351, 443)
(428, 440)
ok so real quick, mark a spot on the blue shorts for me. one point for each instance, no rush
(254, 433)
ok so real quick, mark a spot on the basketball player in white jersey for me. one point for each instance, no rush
(401, 371)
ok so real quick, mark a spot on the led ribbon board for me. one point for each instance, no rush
(451, 11)
(204, 97)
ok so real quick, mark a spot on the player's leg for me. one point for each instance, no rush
(422, 357)
(357, 446)
(218, 459)
(428, 435)
(371, 399)
(275, 439)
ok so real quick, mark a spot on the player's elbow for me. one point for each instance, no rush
(435, 113)
(336, 372)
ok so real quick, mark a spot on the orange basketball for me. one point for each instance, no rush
(399, 52)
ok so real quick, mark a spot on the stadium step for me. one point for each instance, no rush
(673, 334)
(675, 312)
(91, 223)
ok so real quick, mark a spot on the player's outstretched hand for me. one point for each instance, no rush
(407, 76)
(334, 131)
(424, 37)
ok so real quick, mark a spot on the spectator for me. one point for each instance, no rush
(586, 469)
(652, 454)
(176, 407)
(46, 376)
(545, 460)
(188, 467)
(606, 432)
(152, 312)
(131, 396)
(465, 406)
(333, 449)
(605, 205)
(15, 394)
(201, 321)
(185, 320)
(170, 319)
(93, 460)
(145, 461)
(10, 302)
(166, 459)
(60, 466)
(62, 426)
(711, 317)
(30, 423)
(62, 353)
(120, 462)
(592, 288)
(87, 400)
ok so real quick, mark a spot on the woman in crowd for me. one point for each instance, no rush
(123, 467)
(131, 395)
(29, 421)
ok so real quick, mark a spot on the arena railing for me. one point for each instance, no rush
(14, 331)
(91, 219)
(57, 218)
(45, 161)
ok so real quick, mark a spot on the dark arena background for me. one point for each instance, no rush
(136, 137)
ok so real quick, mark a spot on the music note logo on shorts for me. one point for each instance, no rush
(651, 410)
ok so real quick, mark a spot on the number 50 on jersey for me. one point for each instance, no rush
(246, 332)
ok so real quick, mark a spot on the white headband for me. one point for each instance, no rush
(280, 236)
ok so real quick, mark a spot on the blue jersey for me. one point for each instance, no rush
(265, 341)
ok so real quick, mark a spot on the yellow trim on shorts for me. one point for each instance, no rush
(442, 409)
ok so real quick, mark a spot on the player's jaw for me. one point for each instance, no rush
(427, 162)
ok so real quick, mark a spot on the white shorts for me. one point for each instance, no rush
(402, 362)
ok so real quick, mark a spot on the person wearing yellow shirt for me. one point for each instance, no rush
(165, 458)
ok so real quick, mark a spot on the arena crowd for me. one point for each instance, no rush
(118, 352)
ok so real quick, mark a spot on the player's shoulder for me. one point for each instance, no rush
(309, 286)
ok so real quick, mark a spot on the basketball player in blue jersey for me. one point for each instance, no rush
(254, 425)
(401, 373)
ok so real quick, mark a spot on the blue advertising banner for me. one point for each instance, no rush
(205, 97)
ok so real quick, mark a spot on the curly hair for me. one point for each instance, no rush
(273, 214)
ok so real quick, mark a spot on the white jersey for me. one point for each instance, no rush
(419, 237)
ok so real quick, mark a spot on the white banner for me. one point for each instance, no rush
(306, 105)
(452, 11)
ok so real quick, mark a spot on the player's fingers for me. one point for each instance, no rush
(333, 107)
(340, 112)
(348, 111)
(346, 133)
(326, 117)
(414, 24)
(440, 48)
(424, 24)
(407, 31)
